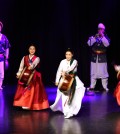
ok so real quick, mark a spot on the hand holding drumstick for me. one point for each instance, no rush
(117, 68)
(30, 68)
(63, 75)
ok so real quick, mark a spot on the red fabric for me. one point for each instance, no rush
(33, 96)
(26, 59)
(117, 93)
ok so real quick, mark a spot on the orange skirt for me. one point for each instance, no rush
(117, 93)
(34, 96)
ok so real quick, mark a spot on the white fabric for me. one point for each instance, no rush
(103, 80)
(92, 40)
(105, 42)
(105, 83)
(60, 103)
(33, 65)
(65, 67)
(1, 72)
(93, 82)
(99, 71)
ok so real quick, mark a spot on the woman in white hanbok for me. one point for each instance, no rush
(62, 101)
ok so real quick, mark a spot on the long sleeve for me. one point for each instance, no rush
(59, 71)
(6, 53)
(6, 46)
(91, 41)
(35, 62)
(21, 66)
(73, 66)
(105, 42)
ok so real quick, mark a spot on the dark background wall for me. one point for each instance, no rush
(55, 25)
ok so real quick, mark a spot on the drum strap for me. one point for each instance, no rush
(72, 91)
(72, 72)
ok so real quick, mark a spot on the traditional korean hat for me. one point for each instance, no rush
(1, 24)
(101, 26)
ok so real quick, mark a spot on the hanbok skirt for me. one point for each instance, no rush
(33, 96)
(61, 101)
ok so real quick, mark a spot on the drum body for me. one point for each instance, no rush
(65, 83)
(26, 76)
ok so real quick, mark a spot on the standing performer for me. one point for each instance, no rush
(99, 44)
(117, 89)
(68, 102)
(4, 54)
(30, 96)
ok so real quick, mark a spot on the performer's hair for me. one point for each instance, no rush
(36, 48)
(69, 50)
(32, 45)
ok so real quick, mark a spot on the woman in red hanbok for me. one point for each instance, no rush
(117, 89)
(32, 96)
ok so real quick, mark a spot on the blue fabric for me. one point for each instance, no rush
(4, 44)
(1, 57)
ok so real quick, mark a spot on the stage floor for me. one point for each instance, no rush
(99, 114)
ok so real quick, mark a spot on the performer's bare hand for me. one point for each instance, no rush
(101, 34)
(17, 76)
(29, 68)
(63, 74)
(91, 37)
(56, 84)
(116, 68)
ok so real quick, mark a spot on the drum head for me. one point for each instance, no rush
(65, 84)
(26, 76)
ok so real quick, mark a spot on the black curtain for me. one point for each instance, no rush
(55, 25)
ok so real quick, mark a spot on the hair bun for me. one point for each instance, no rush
(69, 50)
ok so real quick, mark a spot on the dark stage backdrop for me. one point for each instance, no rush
(55, 25)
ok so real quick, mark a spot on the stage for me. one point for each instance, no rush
(99, 114)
